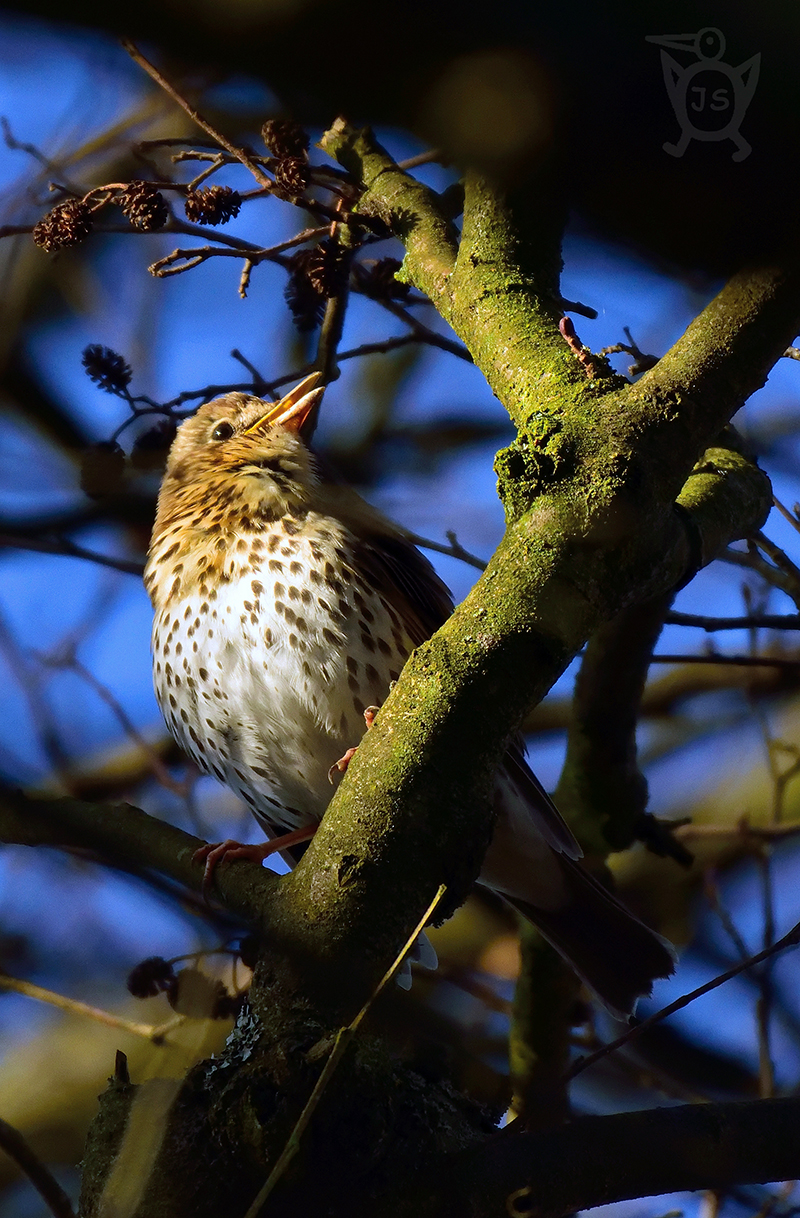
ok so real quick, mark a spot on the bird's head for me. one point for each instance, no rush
(241, 454)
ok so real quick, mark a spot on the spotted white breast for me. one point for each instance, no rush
(264, 676)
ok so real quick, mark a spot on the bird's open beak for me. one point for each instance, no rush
(293, 410)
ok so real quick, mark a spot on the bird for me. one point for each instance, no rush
(285, 606)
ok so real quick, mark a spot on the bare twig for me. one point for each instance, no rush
(251, 254)
(742, 829)
(63, 545)
(575, 306)
(71, 662)
(433, 156)
(244, 278)
(27, 677)
(45, 1183)
(766, 621)
(425, 333)
(152, 1032)
(781, 560)
(642, 362)
(771, 574)
(195, 116)
(712, 895)
(454, 549)
(716, 658)
(258, 379)
(792, 939)
(787, 515)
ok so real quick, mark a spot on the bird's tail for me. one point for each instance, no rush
(615, 954)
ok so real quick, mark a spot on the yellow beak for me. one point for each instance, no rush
(293, 410)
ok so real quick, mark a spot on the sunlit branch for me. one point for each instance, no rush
(152, 1032)
(335, 1052)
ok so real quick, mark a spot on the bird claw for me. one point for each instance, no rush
(214, 853)
(341, 765)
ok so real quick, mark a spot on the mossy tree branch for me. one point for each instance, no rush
(588, 533)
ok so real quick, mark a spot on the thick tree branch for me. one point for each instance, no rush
(129, 836)
(402, 201)
(664, 1150)
(422, 774)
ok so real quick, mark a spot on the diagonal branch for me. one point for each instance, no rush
(45, 1183)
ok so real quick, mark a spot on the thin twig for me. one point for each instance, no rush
(712, 895)
(434, 156)
(756, 562)
(342, 1040)
(430, 336)
(766, 621)
(152, 1032)
(781, 560)
(244, 278)
(252, 254)
(28, 678)
(764, 1002)
(739, 661)
(191, 258)
(72, 664)
(330, 331)
(42, 1179)
(63, 546)
(792, 939)
(743, 829)
(258, 379)
(454, 549)
(575, 306)
(787, 515)
(195, 115)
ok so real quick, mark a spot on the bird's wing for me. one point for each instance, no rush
(395, 567)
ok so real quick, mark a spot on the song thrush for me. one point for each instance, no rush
(284, 608)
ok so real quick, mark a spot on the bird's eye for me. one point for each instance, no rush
(222, 431)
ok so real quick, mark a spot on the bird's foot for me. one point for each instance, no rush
(214, 853)
(341, 765)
